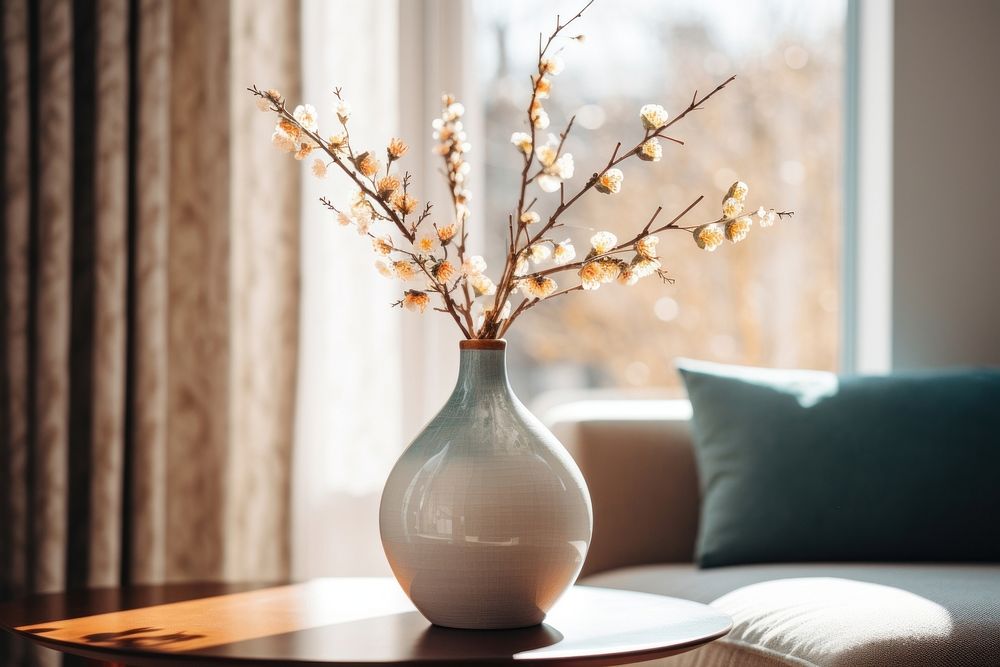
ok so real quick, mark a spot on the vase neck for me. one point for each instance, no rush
(482, 370)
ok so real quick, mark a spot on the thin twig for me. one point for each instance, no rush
(279, 107)
(508, 273)
(526, 304)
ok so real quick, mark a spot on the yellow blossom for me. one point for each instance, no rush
(602, 242)
(303, 151)
(289, 128)
(482, 285)
(382, 245)
(397, 149)
(443, 132)
(737, 191)
(305, 115)
(555, 168)
(610, 268)
(644, 266)
(731, 207)
(343, 219)
(646, 246)
(286, 135)
(404, 270)
(628, 276)
(709, 237)
(737, 230)
(283, 142)
(362, 212)
(600, 271)
(521, 140)
(263, 103)
(552, 65)
(367, 165)
(538, 287)
(426, 243)
(443, 271)
(590, 275)
(474, 265)
(563, 252)
(404, 203)
(610, 182)
(651, 150)
(653, 116)
(384, 269)
(539, 252)
(319, 168)
(539, 118)
(530, 217)
(386, 186)
(337, 142)
(542, 86)
(447, 232)
(416, 300)
(454, 111)
(548, 153)
(766, 217)
(522, 265)
(343, 111)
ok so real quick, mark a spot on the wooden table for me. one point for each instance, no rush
(347, 621)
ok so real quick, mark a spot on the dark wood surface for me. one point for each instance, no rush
(347, 621)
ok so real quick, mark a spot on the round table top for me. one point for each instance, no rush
(347, 621)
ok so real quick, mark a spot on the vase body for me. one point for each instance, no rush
(485, 519)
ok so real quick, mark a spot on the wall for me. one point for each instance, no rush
(946, 191)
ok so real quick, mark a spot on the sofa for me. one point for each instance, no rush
(638, 460)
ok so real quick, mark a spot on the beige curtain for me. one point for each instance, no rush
(150, 279)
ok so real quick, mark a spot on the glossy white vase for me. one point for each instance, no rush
(485, 518)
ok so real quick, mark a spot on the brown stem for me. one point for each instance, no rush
(503, 291)
(280, 107)
(526, 304)
(460, 246)
(410, 235)
(616, 159)
(517, 311)
(438, 287)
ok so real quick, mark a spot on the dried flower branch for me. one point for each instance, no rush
(416, 248)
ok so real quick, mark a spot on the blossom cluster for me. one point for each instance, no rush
(734, 226)
(429, 255)
(453, 145)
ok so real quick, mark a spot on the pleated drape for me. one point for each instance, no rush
(149, 293)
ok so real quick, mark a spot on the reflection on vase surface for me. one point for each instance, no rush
(485, 518)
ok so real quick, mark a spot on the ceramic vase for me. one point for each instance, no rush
(485, 519)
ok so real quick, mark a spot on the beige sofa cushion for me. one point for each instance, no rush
(638, 461)
(842, 614)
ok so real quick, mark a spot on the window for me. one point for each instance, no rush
(772, 299)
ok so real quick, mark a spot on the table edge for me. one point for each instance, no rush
(140, 658)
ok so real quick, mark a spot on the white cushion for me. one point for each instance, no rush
(839, 614)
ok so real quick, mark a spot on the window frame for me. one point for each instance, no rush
(866, 275)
